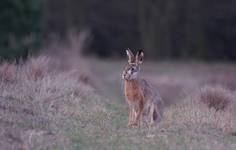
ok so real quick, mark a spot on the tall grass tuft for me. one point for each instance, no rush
(216, 97)
(37, 68)
(8, 72)
(192, 113)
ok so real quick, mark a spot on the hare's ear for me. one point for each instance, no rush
(130, 56)
(139, 56)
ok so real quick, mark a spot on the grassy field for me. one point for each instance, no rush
(46, 106)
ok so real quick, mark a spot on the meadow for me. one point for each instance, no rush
(78, 103)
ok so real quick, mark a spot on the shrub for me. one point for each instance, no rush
(216, 97)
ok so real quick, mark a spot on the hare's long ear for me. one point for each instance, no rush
(139, 56)
(130, 56)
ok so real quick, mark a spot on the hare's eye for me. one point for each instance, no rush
(132, 69)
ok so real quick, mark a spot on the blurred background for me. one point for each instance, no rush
(166, 29)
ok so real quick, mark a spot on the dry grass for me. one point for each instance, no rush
(38, 107)
(192, 113)
(8, 72)
(216, 97)
(41, 103)
(66, 56)
(49, 104)
(37, 68)
(188, 123)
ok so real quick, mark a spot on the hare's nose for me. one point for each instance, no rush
(123, 76)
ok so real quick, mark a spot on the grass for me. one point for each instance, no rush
(44, 106)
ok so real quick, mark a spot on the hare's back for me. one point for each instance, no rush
(150, 92)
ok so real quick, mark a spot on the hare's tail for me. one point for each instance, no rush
(157, 114)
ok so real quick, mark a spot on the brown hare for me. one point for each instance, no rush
(145, 103)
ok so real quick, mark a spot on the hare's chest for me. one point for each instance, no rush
(133, 91)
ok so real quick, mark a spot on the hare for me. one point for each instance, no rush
(145, 103)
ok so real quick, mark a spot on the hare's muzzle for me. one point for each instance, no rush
(125, 76)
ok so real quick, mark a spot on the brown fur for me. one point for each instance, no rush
(133, 90)
(142, 99)
(135, 97)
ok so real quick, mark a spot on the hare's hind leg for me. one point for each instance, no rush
(151, 121)
(151, 118)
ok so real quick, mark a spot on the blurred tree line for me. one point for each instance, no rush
(21, 27)
(183, 29)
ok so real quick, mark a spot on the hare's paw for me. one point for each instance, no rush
(129, 125)
(132, 125)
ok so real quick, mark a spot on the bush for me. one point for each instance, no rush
(216, 97)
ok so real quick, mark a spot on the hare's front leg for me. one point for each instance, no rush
(131, 116)
(138, 116)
